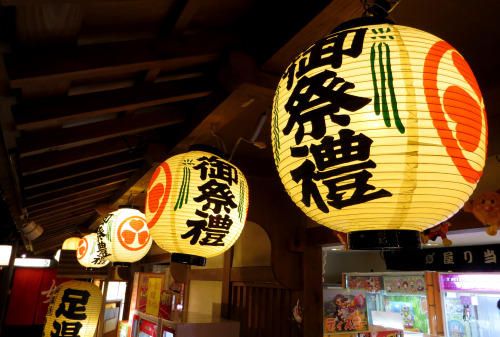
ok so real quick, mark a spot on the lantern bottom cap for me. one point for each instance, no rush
(121, 264)
(383, 239)
(188, 259)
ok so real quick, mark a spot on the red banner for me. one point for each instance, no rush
(30, 295)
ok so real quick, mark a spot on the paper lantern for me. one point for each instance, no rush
(124, 236)
(71, 243)
(74, 310)
(196, 205)
(87, 252)
(379, 127)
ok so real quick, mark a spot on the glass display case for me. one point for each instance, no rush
(470, 304)
(405, 293)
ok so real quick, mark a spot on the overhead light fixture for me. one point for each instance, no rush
(32, 262)
(196, 205)
(379, 131)
(5, 253)
(32, 230)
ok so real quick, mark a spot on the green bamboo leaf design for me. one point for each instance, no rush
(241, 203)
(386, 81)
(276, 129)
(183, 196)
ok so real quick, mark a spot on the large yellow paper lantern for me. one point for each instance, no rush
(74, 310)
(87, 252)
(379, 127)
(124, 236)
(196, 205)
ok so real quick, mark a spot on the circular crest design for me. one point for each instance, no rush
(133, 233)
(158, 192)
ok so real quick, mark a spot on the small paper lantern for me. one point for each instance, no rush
(87, 252)
(124, 236)
(379, 127)
(71, 243)
(74, 310)
(196, 205)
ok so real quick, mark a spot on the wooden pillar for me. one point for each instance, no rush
(226, 284)
(312, 260)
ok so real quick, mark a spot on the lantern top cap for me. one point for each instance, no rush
(209, 149)
(128, 206)
(363, 21)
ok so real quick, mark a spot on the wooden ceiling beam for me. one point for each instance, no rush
(77, 191)
(95, 61)
(42, 141)
(47, 112)
(100, 176)
(79, 169)
(55, 159)
(68, 199)
(320, 26)
(65, 220)
(68, 204)
(45, 217)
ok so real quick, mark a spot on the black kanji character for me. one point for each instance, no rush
(327, 51)
(198, 227)
(219, 223)
(216, 195)
(76, 300)
(306, 174)
(67, 329)
(312, 100)
(219, 169)
(213, 239)
(345, 149)
(359, 184)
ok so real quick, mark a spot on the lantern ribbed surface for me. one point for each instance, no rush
(379, 127)
(87, 252)
(125, 235)
(196, 204)
(71, 243)
(74, 310)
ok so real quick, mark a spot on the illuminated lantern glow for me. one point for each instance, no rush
(71, 243)
(124, 236)
(379, 128)
(196, 205)
(74, 310)
(87, 252)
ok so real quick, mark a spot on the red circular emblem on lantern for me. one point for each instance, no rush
(133, 233)
(158, 192)
(468, 113)
(83, 246)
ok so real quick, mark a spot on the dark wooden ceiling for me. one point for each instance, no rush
(95, 93)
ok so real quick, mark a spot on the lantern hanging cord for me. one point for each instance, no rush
(378, 8)
(255, 134)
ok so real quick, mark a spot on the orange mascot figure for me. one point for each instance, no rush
(439, 230)
(486, 208)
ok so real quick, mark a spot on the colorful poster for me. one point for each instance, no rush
(371, 284)
(344, 311)
(153, 295)
(147, 329)
(405, 284)
(406, 311)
